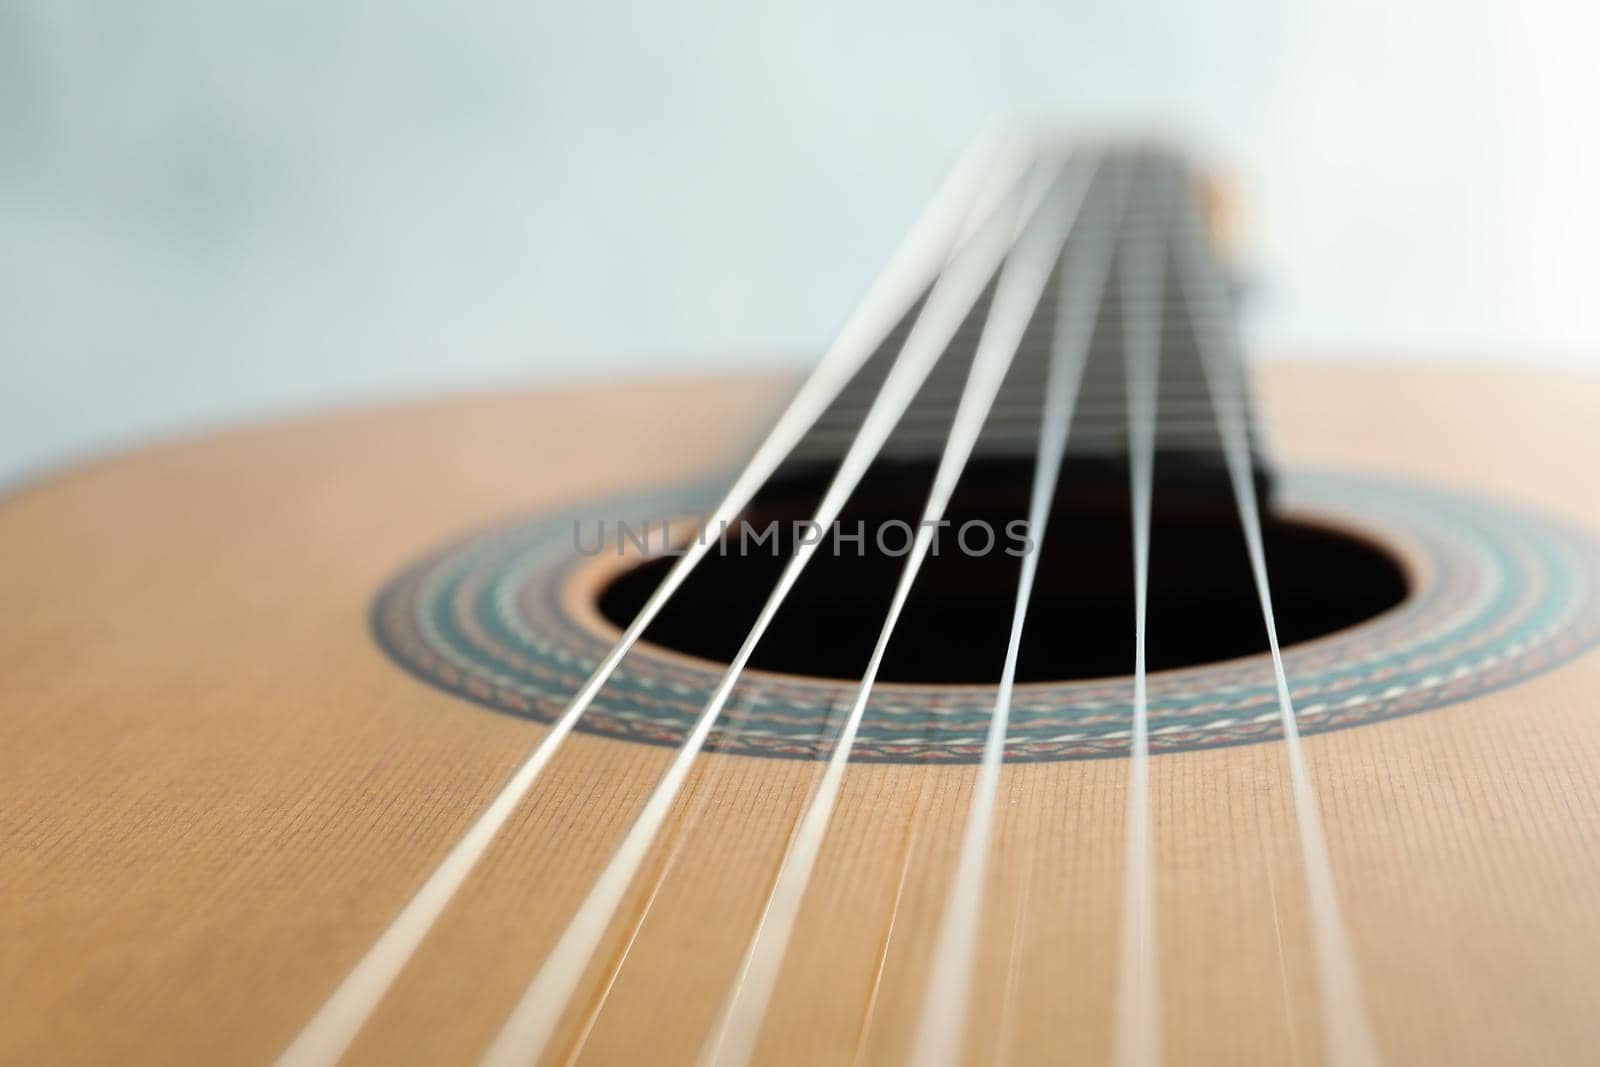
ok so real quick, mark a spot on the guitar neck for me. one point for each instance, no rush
(1188, 443)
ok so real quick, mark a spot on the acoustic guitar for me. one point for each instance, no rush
(1026, 688)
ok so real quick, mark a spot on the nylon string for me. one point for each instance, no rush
(1346, 1031)
(1136, 1040)
(941, 1030)
(526, 1032)
(1020, 285)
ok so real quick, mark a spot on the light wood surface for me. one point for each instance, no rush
(215, 790)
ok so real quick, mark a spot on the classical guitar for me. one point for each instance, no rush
(1031, 686)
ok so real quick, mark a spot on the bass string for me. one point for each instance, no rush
(1346, 1030)
(940, 1036)
(1021, 281)
(974, 191)
(527, 1030)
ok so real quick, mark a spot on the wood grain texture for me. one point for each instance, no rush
(215, 790)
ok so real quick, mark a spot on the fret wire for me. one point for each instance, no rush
(1021, 396)
(933, 419)
(1187, 412)
(1191, 390)
(527, 1030)
(1028, 388)
(1028, 391)
(1095, 381)
(1023, 414)
(973, 190)
(1105, 427)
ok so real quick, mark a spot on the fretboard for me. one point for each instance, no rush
(1186, 414)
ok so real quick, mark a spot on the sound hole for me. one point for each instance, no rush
(1202, 608)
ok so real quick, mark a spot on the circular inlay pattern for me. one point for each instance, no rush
(1499, 595)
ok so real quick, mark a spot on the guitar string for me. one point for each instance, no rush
(704, 791)
(910, 847)
(532, 1021)
(940, 1036)
(1284, 999)
(1136, 1040)
(973, 191)
(1021, 282)
(908, 850)
(1346, 1031)
(1005, 1027)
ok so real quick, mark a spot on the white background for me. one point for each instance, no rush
(211, 210)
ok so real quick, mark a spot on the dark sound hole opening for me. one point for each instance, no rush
(1202, 607)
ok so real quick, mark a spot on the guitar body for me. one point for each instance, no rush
(222, 774)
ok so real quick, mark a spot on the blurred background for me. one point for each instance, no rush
(212, 210)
